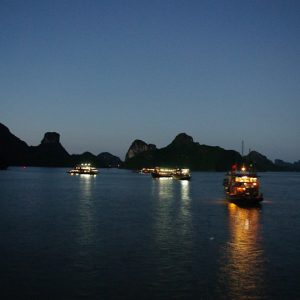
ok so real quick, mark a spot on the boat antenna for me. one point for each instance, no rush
(242, 148)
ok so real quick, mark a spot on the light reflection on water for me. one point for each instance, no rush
(86, 209)
(163, 188)
(173, 197)
(185, 190)
(172, 224)
(243, 263)
(86, 183)
(173, 203)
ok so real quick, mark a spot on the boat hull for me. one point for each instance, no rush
(245, 199)
(157, 175)
(182, 177)
(80, 173)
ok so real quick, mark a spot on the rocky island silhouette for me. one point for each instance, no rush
(181, 152)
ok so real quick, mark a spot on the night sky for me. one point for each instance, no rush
(103, 73)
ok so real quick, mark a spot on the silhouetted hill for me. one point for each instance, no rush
(50, 153)
(103, 160)
(84, 158)
(138, 147)
(184, 152)
(286, 166)
(181, 152)
(13, 151)
(261, 162)
(107, 160)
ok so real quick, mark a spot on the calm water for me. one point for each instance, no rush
(124, 235)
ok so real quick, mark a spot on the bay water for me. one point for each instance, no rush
(124, 235)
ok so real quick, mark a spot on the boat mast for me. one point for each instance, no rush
(243, 148)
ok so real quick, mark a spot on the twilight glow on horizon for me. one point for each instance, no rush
(104, 73)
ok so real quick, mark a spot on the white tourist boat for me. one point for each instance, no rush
(83, 169)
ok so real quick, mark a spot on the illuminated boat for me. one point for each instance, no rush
(242, 186)
(180, 174)
(83, 169)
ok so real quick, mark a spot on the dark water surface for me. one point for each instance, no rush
(123, 235)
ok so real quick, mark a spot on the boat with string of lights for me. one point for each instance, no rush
(242, 185)
(180, 174)
(85, 168)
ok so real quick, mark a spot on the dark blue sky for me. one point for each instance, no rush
(103, 73)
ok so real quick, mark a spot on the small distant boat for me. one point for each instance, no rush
(242, 185)
(83, 169)
(180, 174)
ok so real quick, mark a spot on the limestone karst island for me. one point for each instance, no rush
(183, 151)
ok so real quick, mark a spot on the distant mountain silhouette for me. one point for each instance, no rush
(102, 160)
(137, 147)
(260, 161)
(184, 152)
(107, 160)
(50, 153)
(181, 152)
(13, 151)
(286, 166)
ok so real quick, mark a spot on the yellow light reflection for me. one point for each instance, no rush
(242, 271)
